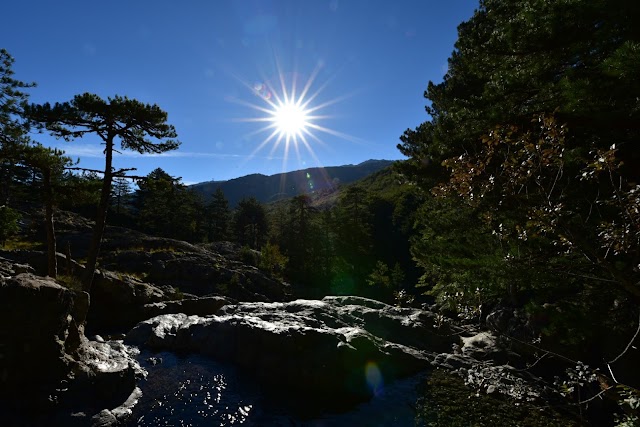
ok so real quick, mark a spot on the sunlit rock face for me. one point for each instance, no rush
(337, 350)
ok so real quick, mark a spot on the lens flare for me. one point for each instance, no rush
(374, 378)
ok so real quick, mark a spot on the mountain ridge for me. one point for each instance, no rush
(270, 188)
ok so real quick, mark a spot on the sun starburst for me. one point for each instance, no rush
(292, 116)
(291, 119)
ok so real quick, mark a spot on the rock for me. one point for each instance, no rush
(109, 371)
(202, 273)
(200, 270)
(9, 268)
(336, 349)
(510, 321)
(479, 346)
(124, 411)
(199, 306)
(196, 269)
(453, 362)
(50, 374)
(121, 292)
(104, 419)
(484, 346)
(154, 360)
(38, 331)
(28, 261)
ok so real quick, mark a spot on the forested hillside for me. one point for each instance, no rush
(276, 187)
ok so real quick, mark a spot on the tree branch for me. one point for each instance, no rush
(116, 174)
(628, 345)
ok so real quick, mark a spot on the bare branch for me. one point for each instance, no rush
(628, 345)
(582, 402)
(116, 174)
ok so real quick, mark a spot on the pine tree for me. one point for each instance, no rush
(218, 217)
(128, 121)
(250, 223)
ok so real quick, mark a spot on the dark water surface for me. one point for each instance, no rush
(197, 391)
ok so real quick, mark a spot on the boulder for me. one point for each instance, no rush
(103, 383)
(123, 294)
(193, 269)
(32, 261)
(8, 268)
(337, 350)
(50, 374)
(202, 273)
(40, 325)
(199, 306)
(200, 270)
(486, 347)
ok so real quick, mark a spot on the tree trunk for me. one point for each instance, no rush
(52, 263)
(101, 218)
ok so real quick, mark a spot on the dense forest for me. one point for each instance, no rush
(520, 190)
(528, 170)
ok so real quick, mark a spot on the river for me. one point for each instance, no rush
(193, 390)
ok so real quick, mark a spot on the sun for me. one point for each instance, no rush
(291, 119)
(291, 115)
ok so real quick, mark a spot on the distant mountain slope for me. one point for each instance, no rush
(384, 183)
(275, 187)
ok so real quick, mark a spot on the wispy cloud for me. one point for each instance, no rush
(94, 151)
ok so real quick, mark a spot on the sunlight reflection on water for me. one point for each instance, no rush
(193, 391)
(198, 391)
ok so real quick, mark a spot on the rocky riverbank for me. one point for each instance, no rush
(328, 355)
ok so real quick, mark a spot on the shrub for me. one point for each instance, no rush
(8, 223)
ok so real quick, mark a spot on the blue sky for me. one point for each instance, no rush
(214, 66)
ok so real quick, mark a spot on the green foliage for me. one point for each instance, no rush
(134, 124)
(629, 402)
(168, 208)
(353, 232)
(461, 258)
(447, 402)
(519, 58)
(13, 133)
(80, 192)
(8, 223)
(388, 281)
(70, 282)
(333, 248)
(302, 239)
(540, 206)
(249, 256)
(20, 243)
(540, 213)
(231, 288)
(386, 277)
(177, 294)
(272, 260)
(380, 276)
(531, 188)
(120, 193)
(250, 223)
(132, 121)
(12, 93)
(218, 217)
